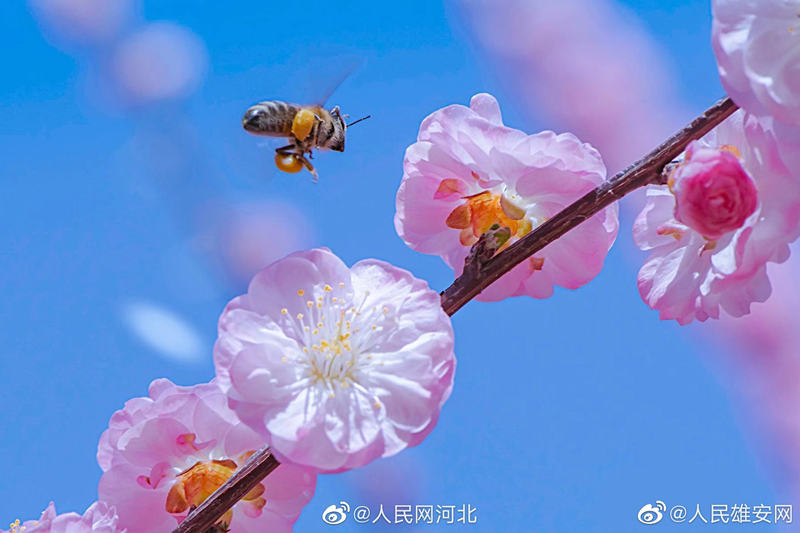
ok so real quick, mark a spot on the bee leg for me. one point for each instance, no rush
(309, 166)
(288, 149)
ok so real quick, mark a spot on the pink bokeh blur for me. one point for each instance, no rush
(159, 61)
(565, 63)
(83, 22)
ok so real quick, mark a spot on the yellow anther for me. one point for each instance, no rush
(319, 305)
(327, 288)
(300, 316)
(284, 359)
(385, 309)
(319, 324)
(374, 328)
(331, 395)
(316, 331)
(334, 299)
(284, 311)
(310, 303)
(301, 292)
(307, 328)
(341, 284)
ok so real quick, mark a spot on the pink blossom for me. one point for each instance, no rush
(160, 61)
(689, 275)
(98, 518)
(467, 171)
(713, 193)
(336, 366)
(165, 453)
(755, 42)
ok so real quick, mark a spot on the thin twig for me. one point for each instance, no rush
(646, 170)
(257, 467)
(472, 282)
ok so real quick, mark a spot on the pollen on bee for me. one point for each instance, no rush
(288, 163)
(302, 124)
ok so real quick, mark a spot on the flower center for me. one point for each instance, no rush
(336, 337)
(481, 211)
(199, 481)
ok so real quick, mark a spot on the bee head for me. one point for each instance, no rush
(335, 140)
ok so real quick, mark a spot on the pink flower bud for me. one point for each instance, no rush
(714, 194)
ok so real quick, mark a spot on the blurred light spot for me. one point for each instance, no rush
(248, 237)
(83, 21)
(163, 331)
(161, 61)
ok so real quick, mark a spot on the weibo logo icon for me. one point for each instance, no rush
(652, 514)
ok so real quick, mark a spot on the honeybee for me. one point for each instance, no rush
(306, 127)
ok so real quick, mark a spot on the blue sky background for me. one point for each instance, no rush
(568, 414)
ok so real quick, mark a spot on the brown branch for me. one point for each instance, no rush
(257, 467)
(474, 280)
(646, 170)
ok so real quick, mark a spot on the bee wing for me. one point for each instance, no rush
(331, 77)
